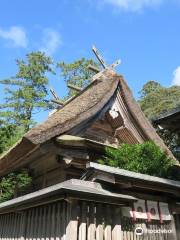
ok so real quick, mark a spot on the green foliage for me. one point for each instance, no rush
(149, 88)
(9, 135)
(146, 158)
(14, 183)
(156, 99)
(77, 73)
(26, 92)
(171, 139)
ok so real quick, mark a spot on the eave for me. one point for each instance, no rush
(137, 180)
(71, 189)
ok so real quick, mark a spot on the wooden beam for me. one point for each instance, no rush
(72, 153)
(105, 177)
(59, 102)
(116, 63)
(93, 68)
(54, 93)
(99, 57)
(69, 140)
(76, 88)
(101, 60)
(79, 142)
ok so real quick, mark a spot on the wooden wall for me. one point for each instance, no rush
(75, 220)
(177, 222)
(46, 171)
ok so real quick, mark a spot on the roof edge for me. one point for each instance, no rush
(135, 175)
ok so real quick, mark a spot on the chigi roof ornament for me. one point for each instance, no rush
(93, 68)
(103, 64)
(102, 61)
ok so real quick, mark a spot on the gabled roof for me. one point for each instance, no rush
(82, 108)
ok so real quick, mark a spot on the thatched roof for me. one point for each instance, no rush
(83, 107)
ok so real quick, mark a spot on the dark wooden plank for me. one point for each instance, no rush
(108, 222)
(83, 221)
(99, 222)
(91, 226)
(116, 224)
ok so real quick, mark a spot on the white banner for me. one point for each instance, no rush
(165, 211)
(140, 209)
(140, 212)
(153, 210)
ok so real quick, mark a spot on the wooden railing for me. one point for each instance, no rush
(76, 220)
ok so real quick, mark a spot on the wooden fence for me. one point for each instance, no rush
(77, 220)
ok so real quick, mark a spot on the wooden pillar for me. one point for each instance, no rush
(5, 225)
(44, 220)
(14, 225)
(173, 228)
(63, 220)
(28, 222)
(116, 229)
(72, 220)
(48, 223)
(108, 222)
(58, 221)
(53, 224)
(177, 221)
(22, 226)
(92, 226)
(99, 221)
(1, 226)
(83, 221)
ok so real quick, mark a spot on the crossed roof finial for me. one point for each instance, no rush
(101, 60)
(60, 102)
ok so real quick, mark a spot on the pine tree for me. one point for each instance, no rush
(26, 92)
(77, 73)
(9, 135)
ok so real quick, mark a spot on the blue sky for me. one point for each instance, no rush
(144, 34)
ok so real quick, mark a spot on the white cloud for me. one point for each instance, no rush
(51, 41)
(176, 76)
(133, 5)
(16, 35)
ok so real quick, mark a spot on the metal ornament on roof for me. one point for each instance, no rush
(102, 61)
